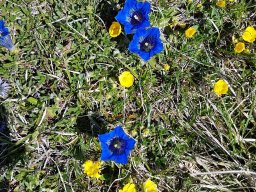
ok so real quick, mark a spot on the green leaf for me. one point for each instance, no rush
(32, 100)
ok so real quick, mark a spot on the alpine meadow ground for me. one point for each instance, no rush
(183, 92)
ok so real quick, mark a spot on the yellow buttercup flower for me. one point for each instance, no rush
(115, 29)
(92, 168)
(190, 32)
(149, 186)
(166, 67)
(130, 187)
(221, 3)
(126, 79)
(249, 34)
(220, 87)
(239, 48)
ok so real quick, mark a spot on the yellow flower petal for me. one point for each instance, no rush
(126, 79)
(190, 32)
(166, 67)
(220, 87)
(115, 29)
(249, 34)
(239, 48)
(130, 187)
(221, 3)
(149, 186)
(92, 168)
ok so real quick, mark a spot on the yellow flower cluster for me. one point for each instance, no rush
(148, 186)
(249, 35)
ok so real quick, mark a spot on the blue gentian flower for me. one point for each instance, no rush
(146, 43)
(116, 146)
(134, 16)
(5, 38)
(4, 87)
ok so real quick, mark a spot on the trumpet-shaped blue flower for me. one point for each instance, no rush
(134, 16)
(116, 146)
(146, 43)
(5, 38)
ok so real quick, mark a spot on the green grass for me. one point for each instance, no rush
(65, 91)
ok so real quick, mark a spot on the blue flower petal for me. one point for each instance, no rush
(144, 7)
(133, 47)
(122, 159)
(121, 16)
(105, 138)
(3, 30)
(159, 47)
(128, 29)
(6, 42)
(145, 24)
(126, 137)
(130, 144)
(145, 55)
(155, 32)
(5, 38)
(106, 153)
(130, 4)
(119, 131)
(1, 24)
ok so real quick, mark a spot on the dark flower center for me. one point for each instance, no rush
(137, 18)
(117, 145)
(148, 44)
